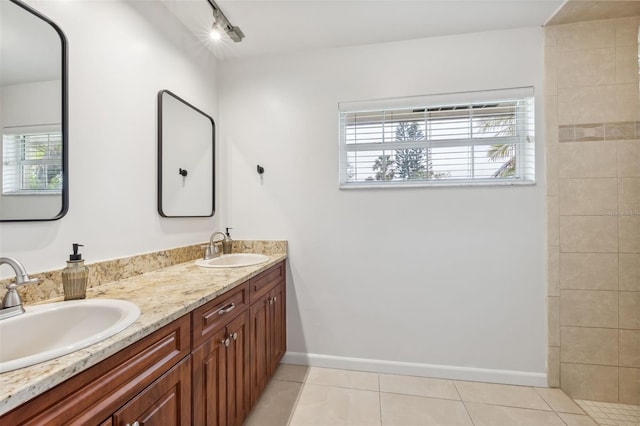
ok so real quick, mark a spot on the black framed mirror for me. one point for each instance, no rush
(33, 116)
(186, 158)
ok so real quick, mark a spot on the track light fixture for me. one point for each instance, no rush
(222, 25)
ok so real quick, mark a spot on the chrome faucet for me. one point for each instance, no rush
(212, 250)
(11, 303)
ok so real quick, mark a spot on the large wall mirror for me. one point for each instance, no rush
(186, 138)
(33, 115)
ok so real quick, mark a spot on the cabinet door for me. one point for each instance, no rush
(210, 381)
(166, 402)
(278, 326)
(238, 364)
(260, 345)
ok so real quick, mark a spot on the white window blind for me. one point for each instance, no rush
(424, 141)
(32, 160)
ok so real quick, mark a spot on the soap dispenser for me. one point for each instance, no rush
(227, 243)
(75, 276)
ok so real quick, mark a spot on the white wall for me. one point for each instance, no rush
(435, 281)
(120, 56)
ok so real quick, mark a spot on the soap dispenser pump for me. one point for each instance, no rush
(227, 243)
(75, 276)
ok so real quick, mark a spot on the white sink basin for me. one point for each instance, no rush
(51, 330)
(234, 260)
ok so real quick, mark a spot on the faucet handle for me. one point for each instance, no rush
(12, 298)
(21, 280)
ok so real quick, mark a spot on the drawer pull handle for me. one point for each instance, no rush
(235, 336)
(134, 424)
(226, 309)
(225, 341)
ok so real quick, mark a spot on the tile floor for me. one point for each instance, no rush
(607, 413)
(308, 396)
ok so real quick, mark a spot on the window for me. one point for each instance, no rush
(465, 139)
(31, 160)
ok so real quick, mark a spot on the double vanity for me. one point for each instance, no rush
(204, 347)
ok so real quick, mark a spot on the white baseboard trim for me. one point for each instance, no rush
(510, 377)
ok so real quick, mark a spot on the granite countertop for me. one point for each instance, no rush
(163, 296)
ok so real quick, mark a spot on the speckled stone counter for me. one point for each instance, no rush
(163, 296)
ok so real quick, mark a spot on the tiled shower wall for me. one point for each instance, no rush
(592, 134)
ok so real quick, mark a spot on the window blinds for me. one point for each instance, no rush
(487, 141)
(31, 161)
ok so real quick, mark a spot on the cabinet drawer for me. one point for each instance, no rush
(262, 283)
(93, 395)
(211, 317)
(166, 402)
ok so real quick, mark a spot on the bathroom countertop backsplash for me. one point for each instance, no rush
(165, 285)
(49, 284)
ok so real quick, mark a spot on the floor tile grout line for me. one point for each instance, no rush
(379, 399)
(340, 387)
(439, 398)
(463, 402)
(295, 404)
(543, 399)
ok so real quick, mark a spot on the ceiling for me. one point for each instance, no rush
(282, 26)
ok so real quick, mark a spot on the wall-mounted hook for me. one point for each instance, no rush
(182, 172)
(260, 169)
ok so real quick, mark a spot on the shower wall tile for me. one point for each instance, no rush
(567, 133)
(629, 348)
(628, 105)
(629, 272)
(628, 152)
(552, 170)
(589, 132)
(629, 234)
(551, 73)
(553, 366)
(627, 31)
(588, 308)
(553, 320)
(589, 234)
(592, 382)
(629, 379)
(586, 35)
(587, 160)
(626, 64)
(629, 305)
(587, 67)
(588, 345)
(629, 196)
(553, 222)
(553, 271)
(589, 271)
(588, 196)
(620, 130)
(590, 104)
(595, 213)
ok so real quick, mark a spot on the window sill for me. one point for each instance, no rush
(432, 184)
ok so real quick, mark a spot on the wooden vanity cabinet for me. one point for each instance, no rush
(221, 363)
(167, 402)
(93, 396)
(268, 326)
(205, 368)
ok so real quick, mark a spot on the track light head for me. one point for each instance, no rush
(221, 24)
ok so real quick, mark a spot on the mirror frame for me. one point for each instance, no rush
(64, 194)
(213, 154)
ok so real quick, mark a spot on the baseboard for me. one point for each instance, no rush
(510, 377)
